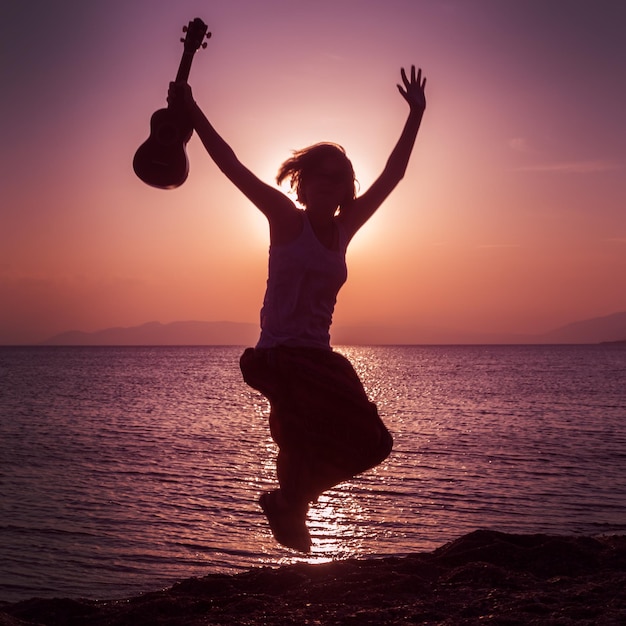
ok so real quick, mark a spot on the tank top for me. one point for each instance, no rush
(304, 278)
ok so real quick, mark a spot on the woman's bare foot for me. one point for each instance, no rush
(287, 522)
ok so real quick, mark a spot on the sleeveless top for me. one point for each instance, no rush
(304, 279)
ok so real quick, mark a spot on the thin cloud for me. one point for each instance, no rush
(498, 245)
(574, 167)
(519, 144)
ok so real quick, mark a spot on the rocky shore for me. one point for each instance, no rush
(485, 577)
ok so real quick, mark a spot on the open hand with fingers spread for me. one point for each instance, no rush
(413, 90)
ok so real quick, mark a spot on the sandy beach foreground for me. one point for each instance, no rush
(485, 577)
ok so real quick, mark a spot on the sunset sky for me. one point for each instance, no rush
(511, 218)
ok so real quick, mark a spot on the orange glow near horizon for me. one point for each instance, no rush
(511, 217)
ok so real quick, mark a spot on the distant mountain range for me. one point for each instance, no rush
(611, 328)
(157, 334)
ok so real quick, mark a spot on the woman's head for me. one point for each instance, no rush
(324, 162)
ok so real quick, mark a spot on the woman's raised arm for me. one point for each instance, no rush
(359, 211)
(266, 198)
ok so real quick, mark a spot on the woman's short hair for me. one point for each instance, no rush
(308, 160)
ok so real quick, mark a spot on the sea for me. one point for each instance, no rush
(126, 469)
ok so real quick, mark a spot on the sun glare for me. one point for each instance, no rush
(337, 526)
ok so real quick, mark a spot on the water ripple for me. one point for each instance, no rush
(125, 469)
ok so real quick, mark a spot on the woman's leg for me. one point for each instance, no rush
(325, 426)
(326, 429)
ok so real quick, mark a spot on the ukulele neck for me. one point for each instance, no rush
(196, 31)
(185, 66)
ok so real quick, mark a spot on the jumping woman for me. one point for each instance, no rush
(326, 429)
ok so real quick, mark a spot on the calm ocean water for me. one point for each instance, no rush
(123, 470)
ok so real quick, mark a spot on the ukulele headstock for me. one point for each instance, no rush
(195, 33)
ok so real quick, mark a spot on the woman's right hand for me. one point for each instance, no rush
(180, 95)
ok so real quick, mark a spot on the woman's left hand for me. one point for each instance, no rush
(413, 90)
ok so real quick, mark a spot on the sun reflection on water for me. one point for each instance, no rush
(336, 523)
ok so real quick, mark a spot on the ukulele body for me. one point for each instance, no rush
(161, 161)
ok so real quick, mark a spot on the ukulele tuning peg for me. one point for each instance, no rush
(208, 35)
(182, 39)
(204, 45)
(184, 29)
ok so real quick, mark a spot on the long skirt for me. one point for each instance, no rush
(326, 429)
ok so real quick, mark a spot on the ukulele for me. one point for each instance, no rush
(161, 161)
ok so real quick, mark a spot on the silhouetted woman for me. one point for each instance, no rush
(325, 427)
